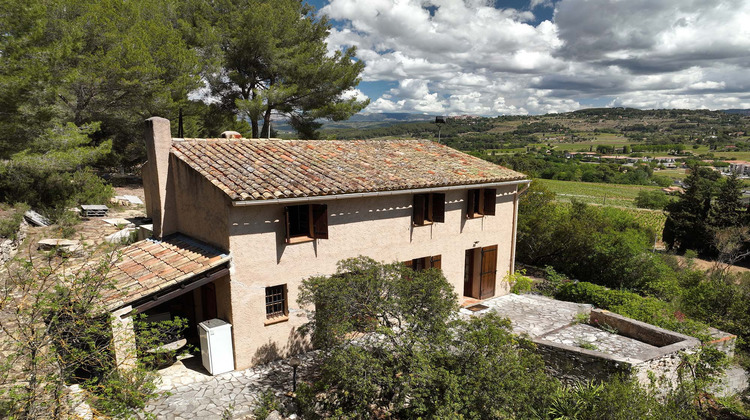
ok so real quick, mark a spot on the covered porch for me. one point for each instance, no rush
(163, 279)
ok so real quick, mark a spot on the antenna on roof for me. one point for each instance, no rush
(438, 121)
(180, 132)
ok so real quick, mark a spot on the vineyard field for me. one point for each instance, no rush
(595, 193)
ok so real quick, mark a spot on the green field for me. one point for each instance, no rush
(608, 194)
(651, 218)
(595, 193)
(677, 173)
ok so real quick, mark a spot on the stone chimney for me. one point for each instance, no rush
(156, 172)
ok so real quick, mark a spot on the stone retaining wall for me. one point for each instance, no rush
(571, 364)
(8, 247)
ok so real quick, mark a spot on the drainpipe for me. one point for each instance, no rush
(518, 194)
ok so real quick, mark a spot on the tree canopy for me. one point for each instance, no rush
(109, 62)
(709, 208)
(395, 347)
(272, 56)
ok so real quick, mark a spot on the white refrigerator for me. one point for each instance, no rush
(216, 346)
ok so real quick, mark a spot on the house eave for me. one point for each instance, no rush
(294, 200)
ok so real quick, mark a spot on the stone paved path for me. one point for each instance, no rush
(533, 315)
(197, 395)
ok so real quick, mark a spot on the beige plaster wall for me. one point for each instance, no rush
(201, 209)
(378, 227)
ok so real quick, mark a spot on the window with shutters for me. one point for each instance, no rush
(276, 302)
(306, 222)
(428, 208)
(480, 202)
(424, 263)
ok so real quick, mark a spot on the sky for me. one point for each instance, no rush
(510, 57)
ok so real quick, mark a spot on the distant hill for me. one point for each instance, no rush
(390, 116)
(372, 120)
(737, 111)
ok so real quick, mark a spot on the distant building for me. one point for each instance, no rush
(740, 167)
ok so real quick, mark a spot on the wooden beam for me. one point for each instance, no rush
(183, 288)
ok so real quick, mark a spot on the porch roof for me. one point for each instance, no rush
(150, 266)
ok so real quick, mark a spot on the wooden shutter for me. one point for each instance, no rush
(407, 264)
(469, 275)
(438, 207)
(470, 204)
(435, 261)
(320, 221)
(286, 220)
(489, 201)
(418, 207)
(489, 272)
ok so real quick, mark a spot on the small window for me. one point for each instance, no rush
(428, 208)
(276, 301)
(424, 263)
(480, 202)
(305, 222)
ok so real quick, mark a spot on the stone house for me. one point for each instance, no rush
(239, 223)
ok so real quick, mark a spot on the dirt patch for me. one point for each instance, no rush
(708, 265)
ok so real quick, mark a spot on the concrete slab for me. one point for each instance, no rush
(531, 314)
(593, 338)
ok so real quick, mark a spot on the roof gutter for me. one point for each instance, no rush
(294, 200)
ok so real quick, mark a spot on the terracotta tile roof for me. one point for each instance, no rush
(267, 169)
(149, 266)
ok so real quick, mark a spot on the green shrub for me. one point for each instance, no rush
(519, 283)
(9, 225)
(123, 391)
(652, 199)
(632, 305)
(53, 192)
(267, 402)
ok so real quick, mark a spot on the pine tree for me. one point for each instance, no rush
(273, 57)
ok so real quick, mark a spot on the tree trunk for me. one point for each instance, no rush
(254, 124)
(266, 121)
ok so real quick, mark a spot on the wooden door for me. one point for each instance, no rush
(488, 272)
(469, 274)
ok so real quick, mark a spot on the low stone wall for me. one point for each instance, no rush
(636, 330)
(9, 248)
(722, 341)
(571, 364)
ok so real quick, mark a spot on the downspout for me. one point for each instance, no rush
(518, 194)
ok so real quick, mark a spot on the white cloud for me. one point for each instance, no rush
(354, 93)
(456, 56)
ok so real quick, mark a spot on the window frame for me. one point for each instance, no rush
(481, 202)
(317, 223)
(425, 263)
(428, 208)
(279, 290)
